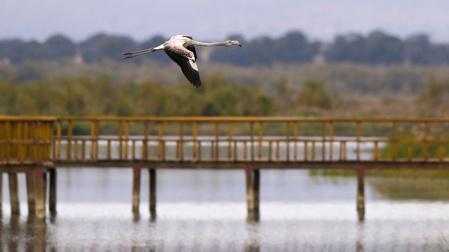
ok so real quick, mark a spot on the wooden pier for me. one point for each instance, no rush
(39, 146)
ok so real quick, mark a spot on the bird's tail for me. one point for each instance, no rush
(138, 53)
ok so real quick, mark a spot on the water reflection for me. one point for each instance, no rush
(252, 243)
(304, 226)
(360, 236)
(18, 234)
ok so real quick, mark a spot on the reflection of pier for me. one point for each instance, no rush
(37, 146)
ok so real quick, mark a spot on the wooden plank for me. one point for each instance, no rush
(14, 193)
(152, 194)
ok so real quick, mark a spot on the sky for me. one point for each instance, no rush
(209, 20)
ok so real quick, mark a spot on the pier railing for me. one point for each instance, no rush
(37, 146)
(80, 140)
(26, 140)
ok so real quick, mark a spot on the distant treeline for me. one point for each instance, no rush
(376, 48)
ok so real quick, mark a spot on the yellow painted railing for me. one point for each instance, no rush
(25, 140)
(258, 139)
(217, 139)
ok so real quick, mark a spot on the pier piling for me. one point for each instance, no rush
(40, 187)
(252, 193)
(1, 194)
(256, 189)
(360, 193)
(53, 189)
(31, 196)
(14, 193)
(152, 175)
(136, 191)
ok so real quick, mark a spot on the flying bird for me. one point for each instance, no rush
(181, 49)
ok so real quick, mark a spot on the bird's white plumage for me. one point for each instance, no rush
(181, 49)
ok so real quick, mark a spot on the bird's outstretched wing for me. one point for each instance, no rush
(186, 59)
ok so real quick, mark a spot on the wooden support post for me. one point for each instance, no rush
(256, 189)
(136, 191)
(31, 193)
(152, 173)
(14, 193)
(1, 194)
(249, 193)
(53, 188)
(40, 187)
(252, 193)
(360, 193)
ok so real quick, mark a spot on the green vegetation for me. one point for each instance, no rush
(89, 96)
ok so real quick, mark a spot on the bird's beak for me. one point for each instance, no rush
(240, 45)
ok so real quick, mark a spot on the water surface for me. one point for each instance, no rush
(204, 210)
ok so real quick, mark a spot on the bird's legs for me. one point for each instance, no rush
(138, 53)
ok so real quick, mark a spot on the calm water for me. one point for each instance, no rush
(206, 210)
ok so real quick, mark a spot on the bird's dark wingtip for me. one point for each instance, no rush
(128, 53)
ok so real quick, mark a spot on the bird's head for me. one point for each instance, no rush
(232, 42)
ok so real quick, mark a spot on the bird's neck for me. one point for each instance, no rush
(193, 42)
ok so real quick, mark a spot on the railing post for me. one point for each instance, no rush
(126, 139)
(181, 140)
(323, 148)
(194, 131)
(394, 139)
(69, 139)
(145, 142)
(358, 139)
(229, 140)
(120, 143)
(92, 139)
(97, 136)
(58, 139)
(425, 140)
(331, 139)
(260, 138)
(252, 140)
(159, 138)
(295, 137)
(217, 145)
